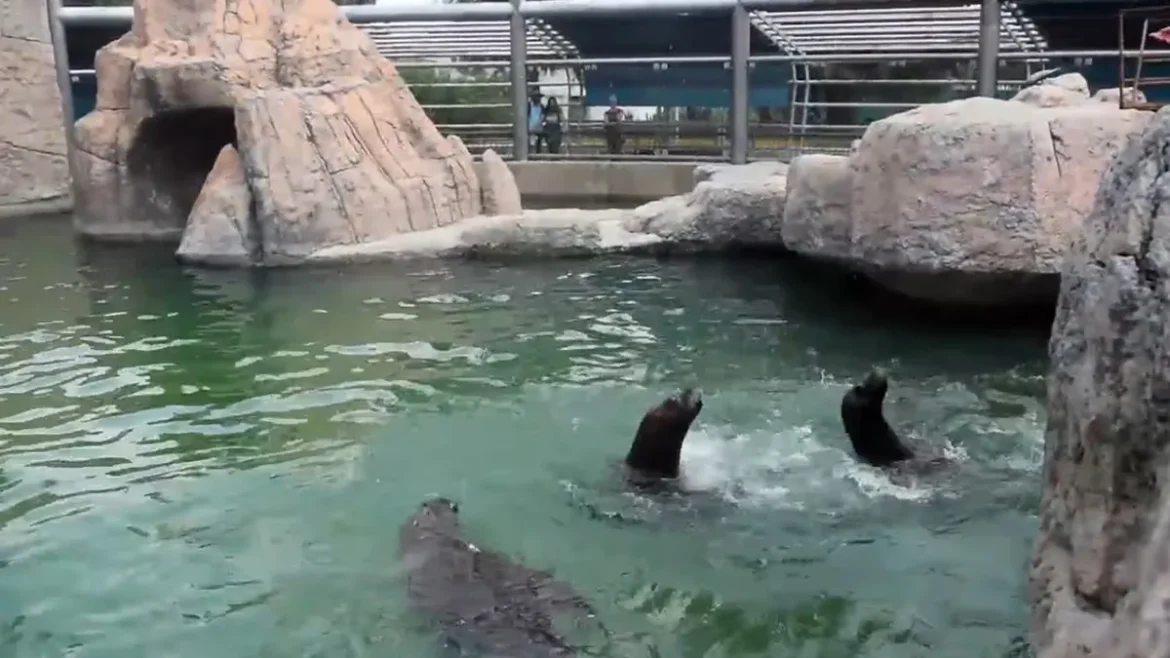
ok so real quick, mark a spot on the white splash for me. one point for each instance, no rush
(791, 469)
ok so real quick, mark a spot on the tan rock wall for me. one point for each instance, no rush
(34, 167)
(334, 148)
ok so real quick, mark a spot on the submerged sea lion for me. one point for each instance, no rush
(874, 441)
(484, 603)
(657, 448)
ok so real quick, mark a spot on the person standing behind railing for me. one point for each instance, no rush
(551, 125)
(614, 117)
(535, 113)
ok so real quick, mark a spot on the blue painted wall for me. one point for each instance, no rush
(84, 95)
(681, 85)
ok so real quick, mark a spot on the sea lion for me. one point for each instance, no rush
(483, 602)
(874, 441)
(657, 448)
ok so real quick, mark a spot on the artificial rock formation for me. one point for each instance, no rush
(34, 166)
(220, 230)
(818, 211)
(973, 201)
(1061, 91)
(500, 194)
(731, 206)
(333, 148)
(1100, 569)
(1112, 96)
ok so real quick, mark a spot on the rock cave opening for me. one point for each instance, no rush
(174, 151)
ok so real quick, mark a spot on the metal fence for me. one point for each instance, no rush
(485, 51)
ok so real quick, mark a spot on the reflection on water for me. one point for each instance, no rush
(199, 462)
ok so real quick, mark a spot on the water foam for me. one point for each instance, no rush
(791, 469)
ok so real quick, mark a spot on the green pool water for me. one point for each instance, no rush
(205, 463)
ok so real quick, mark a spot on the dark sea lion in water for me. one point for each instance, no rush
(485, 604)
(655, 454)
(874, 441)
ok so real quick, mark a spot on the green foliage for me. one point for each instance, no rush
(463, 93)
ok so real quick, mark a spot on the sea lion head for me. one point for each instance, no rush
(687, 403)
(657, 446)
(875, 385)
(436, 515)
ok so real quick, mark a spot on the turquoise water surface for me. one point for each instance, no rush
(199, 463)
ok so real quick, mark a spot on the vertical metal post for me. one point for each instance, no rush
(519, 63)
(64, 80)
(989, 26)
(740, 51)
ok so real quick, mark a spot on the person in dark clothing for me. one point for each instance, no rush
(613, 126)
(551, 120)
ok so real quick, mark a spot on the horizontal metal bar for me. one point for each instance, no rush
(781, 58)
(413, 11)
(906, 39)
(464, 126)
(554, 8)
(491, 11)
(936, 82)
(572, 61)
(903, 106)
(909, 47)
(460, 106)
(97, 16)
(920, 56)
(88, 73)
(804, 31)
(625, 156)
(488, 11)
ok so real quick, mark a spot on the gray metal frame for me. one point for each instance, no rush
(807, 33)
(928, 29)
(465, 40)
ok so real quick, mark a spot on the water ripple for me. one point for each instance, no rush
(196, 462)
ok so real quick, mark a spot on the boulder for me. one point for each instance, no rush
(1061, 91)
(975, 201)
(731, 206)
(334, 147)
(818, 218)
(500, 194)
(34, 165)
(1112, 96)
(1108, 429)
(718, 172)
(737, 206)
(220, 228)
(545, 233)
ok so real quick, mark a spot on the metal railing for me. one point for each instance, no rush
(499, 67)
